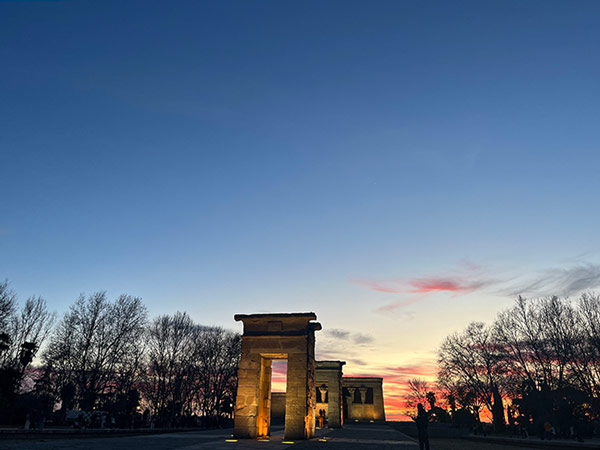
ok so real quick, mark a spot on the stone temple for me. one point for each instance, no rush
(312, 386)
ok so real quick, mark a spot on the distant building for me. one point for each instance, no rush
(343, 399)
(363, 399)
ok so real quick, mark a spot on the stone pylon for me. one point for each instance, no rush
(268, 337)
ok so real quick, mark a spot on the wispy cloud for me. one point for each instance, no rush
(350, 346)
(345, 335)
(466, 278)
(400, 304)
(469, 277)
(556, 281)
(339, 334)
(360, 338)
(389, 286)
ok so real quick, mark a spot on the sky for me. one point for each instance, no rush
(401, 168)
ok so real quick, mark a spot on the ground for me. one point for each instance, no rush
(351, 437)
(462, 444)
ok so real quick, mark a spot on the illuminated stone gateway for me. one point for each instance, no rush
(276, 336)
(312, 386)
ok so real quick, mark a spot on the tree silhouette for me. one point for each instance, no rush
(541, 357)
(93, 342)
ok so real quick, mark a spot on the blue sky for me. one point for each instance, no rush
(255, 156)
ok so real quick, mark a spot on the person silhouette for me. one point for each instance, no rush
(321, 418)
(422, 420)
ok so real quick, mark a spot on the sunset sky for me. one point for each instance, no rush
(400, 168)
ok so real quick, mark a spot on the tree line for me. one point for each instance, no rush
(535, 368)
(108, 356)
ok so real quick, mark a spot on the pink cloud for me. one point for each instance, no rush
(422, 285)
(279, 376)
(438, 284)
(401, 304)
(467, 278)
(380, 286)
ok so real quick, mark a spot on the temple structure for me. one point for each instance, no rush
(276, 336)
(363, 399)
(312, 388)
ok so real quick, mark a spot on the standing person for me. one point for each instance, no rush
(422, 421)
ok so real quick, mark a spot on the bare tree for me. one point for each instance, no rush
(170, 359)
(22, 332)
(475, 360)
(585, 364)
(538, 336)
(418, 389)
(7, 308)
(27, 329)
(93, 342)
(191, 369)
(543, 353)
(460, 395)
(218, 355)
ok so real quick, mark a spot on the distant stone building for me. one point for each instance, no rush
(343, 399)
(363, 399)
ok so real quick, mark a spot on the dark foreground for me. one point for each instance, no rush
(351, 437)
